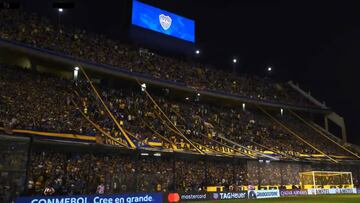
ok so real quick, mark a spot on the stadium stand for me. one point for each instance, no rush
(39, 32)
(38, 93)
(200, 142)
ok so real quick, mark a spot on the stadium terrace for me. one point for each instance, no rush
(86, 118)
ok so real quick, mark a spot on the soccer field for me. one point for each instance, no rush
(301, 199)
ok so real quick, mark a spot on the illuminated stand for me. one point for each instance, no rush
(325, 180)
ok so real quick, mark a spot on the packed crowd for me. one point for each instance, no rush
(71, 173)
(42, 102)
(13, 160)
(205, 124)
(59, 173)
(67, 173)
(29, 100)
(262, 173)
(55, 170)
(36, 31)
(309, 134)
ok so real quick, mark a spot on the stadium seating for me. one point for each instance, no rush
(48, 103)
(39, 32)
(204, 123)
(238, 142)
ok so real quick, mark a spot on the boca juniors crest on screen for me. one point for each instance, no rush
(161, 21)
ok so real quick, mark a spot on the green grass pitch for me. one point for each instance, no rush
(299, 199)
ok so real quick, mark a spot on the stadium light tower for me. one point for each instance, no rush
(76, 73)
(60, 10)
(197, 52)
(269, 69)
(197, 98)
(234, 65)
(143, 87)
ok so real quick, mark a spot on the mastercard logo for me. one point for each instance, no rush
(173, 197)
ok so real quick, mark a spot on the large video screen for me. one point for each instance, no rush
(158, 20)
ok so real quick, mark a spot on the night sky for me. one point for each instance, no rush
(314, 43)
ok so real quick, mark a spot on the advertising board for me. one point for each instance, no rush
(116, 198)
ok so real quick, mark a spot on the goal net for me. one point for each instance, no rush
(325, 179)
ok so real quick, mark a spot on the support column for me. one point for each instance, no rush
(281, 165)
(343, 134)
(28, 165)
(33, 65)
(326, 123)
(174, 188)
(314, 181)
(339, 121)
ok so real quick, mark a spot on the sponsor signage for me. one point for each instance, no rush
(343, 191)
(331, 191)
(178, 197)
(229, 195)
(263, 194)
(358, 190)
(318, 191)
(293, 192)
(119, 198)
(194, 197)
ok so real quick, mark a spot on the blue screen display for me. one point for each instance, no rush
(158, 20)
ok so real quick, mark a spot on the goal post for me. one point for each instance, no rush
(326, 180)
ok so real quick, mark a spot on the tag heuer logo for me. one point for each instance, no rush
(165, 21)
